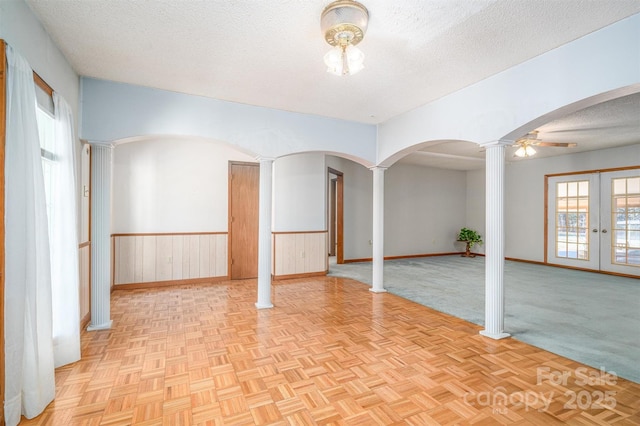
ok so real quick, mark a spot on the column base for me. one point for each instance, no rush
(263, 305)
(376, 290)
(103, 326)
(495, 336)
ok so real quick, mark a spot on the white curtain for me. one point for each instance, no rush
(65, 279)
(29, 364)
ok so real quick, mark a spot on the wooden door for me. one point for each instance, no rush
(332, 216)
(244, 185)
(339, 213)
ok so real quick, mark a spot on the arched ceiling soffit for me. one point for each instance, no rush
(147, 138)
(607, 120)
(355, 159)
(444, 153)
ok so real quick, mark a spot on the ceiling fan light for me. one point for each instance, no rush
(525, 151)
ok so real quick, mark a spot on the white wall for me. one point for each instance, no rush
(171, 185)
(524, 194)
(475, 213)
(114, 111)
(299, 199)
(358, 202)
(424, 209)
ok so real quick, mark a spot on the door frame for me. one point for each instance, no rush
(339, 213)
(546, 214)
(3, 123)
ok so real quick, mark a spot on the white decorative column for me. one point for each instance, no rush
(100, 237)
(494, 241)
(264, 234)
(378, 230)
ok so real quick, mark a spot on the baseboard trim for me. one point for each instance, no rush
(574, 268)
(84, 322)
(408, 256)
(304, 275)
(533, 262)
(154, 284)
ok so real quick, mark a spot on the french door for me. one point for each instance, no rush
(593, 221)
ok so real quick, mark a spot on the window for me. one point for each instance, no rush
(572, 219)
(625, 220)
(46, 130)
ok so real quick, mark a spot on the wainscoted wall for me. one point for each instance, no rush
(84, 260)
(154, 258)
(299, 253)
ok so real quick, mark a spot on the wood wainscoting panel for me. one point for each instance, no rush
(149, 258)
(177, 251)
(164, 258)
(299, 253)
(194, 257)
(84, 259)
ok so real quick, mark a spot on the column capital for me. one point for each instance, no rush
(262, 159)
(372, 168)
(494, 144)
(100, 144)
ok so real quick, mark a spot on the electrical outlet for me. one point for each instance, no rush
(169, 259)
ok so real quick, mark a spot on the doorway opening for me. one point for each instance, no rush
(593, 221)
(335, 215)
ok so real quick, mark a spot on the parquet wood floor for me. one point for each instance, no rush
(330, 352)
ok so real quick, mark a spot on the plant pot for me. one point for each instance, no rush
(467, 252)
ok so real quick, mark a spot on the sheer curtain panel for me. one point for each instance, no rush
(29, 364)
(65, 280)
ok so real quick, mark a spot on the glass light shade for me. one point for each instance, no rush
(347, 61)
(525, 151)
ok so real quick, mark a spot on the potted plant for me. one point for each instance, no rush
(470, 237)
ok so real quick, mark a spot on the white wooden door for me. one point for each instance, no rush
(620, 222)
(594, 221)
(573, 227)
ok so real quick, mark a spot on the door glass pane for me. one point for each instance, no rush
(625, 220)
(572, 220)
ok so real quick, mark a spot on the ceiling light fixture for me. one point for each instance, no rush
(344, 23)
(525, 150)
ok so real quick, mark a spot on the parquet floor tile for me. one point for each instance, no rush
(329, 353)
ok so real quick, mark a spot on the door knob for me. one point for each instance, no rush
(604, 231)
(595, 230)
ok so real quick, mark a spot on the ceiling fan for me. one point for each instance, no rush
(526, 143)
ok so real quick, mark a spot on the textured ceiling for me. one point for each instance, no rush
(270, 53)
